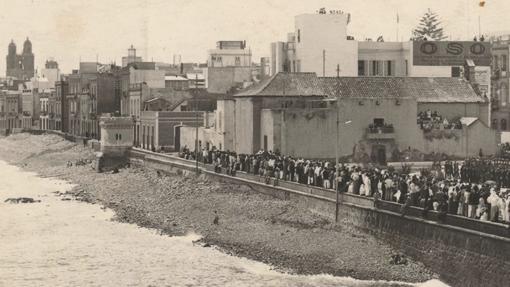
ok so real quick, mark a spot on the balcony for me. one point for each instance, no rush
(135, 86)
(380, 133)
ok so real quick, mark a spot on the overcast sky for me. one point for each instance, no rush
(70, 29)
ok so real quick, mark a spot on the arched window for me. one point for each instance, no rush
(503, 124)
(495, 124)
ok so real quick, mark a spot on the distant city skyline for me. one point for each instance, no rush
(73, 30)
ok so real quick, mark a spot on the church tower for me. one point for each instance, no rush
(11, 60)
(20, 66)
(27, 60)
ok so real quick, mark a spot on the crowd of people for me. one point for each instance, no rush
(429, 120)
(478, 170)
(472, 188)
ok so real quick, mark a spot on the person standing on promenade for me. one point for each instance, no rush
(473, 200)
(493, 200)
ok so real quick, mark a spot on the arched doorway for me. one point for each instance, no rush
(378, 154)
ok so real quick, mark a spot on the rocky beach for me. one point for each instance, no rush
(232, 218)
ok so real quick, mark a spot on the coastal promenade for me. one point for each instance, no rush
(252, 225)
(471, 251)
(288, 226)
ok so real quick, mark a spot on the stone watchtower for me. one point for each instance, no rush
(116, 142)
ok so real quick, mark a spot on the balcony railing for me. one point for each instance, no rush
(379, 130)
(135, 86)
(377, 133)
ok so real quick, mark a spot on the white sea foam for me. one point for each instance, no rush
(70, 243)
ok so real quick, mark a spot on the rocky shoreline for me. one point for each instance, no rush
(234, 218)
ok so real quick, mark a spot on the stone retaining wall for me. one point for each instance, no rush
(460, 253)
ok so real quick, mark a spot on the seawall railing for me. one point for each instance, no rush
(465, 252)
(485, 227)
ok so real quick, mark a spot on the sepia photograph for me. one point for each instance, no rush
(245, 143)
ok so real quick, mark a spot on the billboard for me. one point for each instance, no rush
(450, 53)
(483, 79)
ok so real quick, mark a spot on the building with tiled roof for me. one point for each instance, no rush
(295, 113)
(379, 118)
(287, 84)
(423, 89)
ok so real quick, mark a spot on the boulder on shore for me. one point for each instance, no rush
(21, 200)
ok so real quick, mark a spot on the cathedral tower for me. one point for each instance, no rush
(20, 66)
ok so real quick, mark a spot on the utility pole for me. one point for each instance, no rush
(195, 96)
(336, 136)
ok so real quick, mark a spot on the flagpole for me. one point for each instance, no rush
(398, 21)
(479, 27)
(481, 5)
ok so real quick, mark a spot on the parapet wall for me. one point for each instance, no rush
(462, 256)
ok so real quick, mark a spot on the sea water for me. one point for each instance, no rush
(71, 243)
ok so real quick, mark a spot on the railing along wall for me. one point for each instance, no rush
(492, 228)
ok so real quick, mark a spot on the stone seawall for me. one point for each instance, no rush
(462, 256)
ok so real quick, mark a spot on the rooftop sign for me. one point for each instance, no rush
(451, 53)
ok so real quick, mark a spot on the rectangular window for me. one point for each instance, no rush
(455, 72)
(389, 68)
(375, 68)
(143, 136)
(238, 61)
(319, 104)
(361, 68)
(152, 137)
(496, 62)
(299, 36)
(378, 122)
(504, 63)
(265, 142)
(407, 68)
